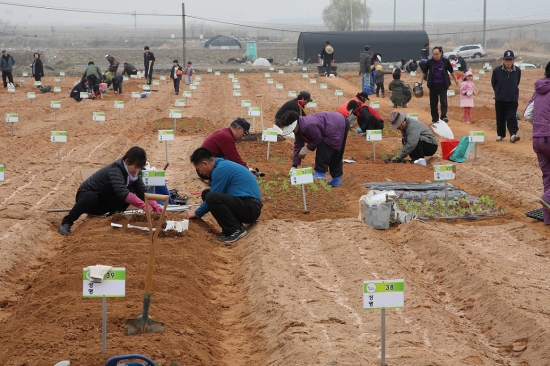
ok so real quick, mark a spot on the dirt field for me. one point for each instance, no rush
(290, 292)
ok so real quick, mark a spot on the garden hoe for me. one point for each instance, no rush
(144, 324)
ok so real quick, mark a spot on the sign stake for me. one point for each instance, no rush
(383, 337)
(166, 145)
(446, 200)
(268, 146)
(104, 327)
(374, 151)
(304, 197)
(12, 129)
(58, 145)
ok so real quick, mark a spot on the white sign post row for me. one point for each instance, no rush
(382, 295)
(99, 117)
(166, 135)
(1, 173)
(112, 285)
(175, 114)
(374, 135)
(12, 118)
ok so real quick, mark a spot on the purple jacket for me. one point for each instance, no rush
(327, 127)
(541, 110)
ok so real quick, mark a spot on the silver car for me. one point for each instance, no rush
(469, 50)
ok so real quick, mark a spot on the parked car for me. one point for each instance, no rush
(523, 65)
(469, 50)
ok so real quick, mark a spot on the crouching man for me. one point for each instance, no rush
(233, 198)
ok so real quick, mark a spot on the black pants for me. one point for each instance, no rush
(177, 85)
(117, 88)
(328, 157)
(94, 204)
(327, 66)
(9, 75)
(422, 150)
(113, 69)
(92, 81)
(370, 123)
(380, 86)
(438, 93)
(231, 212)
(37, 77)
(149, 74)
(506, 116)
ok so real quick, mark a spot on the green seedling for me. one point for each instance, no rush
(367, 157)
(183, 125)
(276, 173)
(158, 124)
(197, 125)
(284, 186)
(386, 132)
(314, 188)
(384, 155)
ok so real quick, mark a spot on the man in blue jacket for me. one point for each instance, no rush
(233, 198)
(505, 82)
(148, 62)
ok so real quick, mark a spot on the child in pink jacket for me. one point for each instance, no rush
(467, 91)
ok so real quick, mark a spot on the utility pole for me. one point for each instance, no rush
(135, 24)
(365, 14)
(184, 61)
(423, 14)
(484, 23)
(394, 12)
(351, 14)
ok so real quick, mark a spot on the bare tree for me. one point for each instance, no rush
(345, 15)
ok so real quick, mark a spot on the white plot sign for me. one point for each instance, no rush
(154, 178)
(98, 116)
(58, 136)
(12, 117)
(180, 102)
(301, 176)
(113, 284)
(383, 294)
(175, 113)
(1, 173)
(254, 111)
(269, 136)
(374, 135)
(55, 104)
(246, 103)
(444, 172)
(119, 104)
(476, 136)
(166, 135)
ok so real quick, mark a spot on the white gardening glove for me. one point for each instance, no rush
(303, 152)
(469, 94)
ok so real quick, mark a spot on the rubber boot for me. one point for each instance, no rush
(319, 175)
(335, 182)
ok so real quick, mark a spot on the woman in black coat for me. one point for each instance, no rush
(37, 67)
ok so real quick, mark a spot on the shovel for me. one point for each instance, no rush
(145, 324)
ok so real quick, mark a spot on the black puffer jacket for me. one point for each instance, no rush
(110, 182)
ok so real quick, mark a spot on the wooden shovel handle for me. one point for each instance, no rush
(153, 237)
(157, 197)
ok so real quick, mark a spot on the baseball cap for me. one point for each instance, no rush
(508, 54)
(363, 95)
(290, 128)
(243, 123)
(305, 95)
(367, 47)
(106, 56)
(396, 118)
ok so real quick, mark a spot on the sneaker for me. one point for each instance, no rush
(319, 175)
(420, 161)
(499, 138)
(445, 119)
(335, 182)
(545, 204)
(514, 138)
(235, 236)
(64, 229)
(468, 122)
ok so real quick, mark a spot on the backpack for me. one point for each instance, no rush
(407, 90)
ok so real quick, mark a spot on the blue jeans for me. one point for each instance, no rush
(162, 190)
(365, 80)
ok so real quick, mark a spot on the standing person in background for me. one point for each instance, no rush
(327, 55)
(113, 64)
(148, 62)
(188, 71)
(129, 69)
(376, 58)
(6, 65)
(365, 69)
(37, 68)
(467, 91)
(538, 111)
(437, 71)
(505, 81)
(175, 75)
(379, 80)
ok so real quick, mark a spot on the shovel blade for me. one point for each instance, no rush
(142, 325)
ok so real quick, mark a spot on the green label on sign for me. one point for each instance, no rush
(385, 287)
(112, 275)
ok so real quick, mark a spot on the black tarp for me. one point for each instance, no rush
(219, 41)
(393, 45)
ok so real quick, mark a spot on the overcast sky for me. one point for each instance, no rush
(274, 11)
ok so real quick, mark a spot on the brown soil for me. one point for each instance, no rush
(290, 292)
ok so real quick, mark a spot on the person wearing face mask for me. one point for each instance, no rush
(111, 189)
(436, 73)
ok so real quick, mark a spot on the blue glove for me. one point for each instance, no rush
(359, 130)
